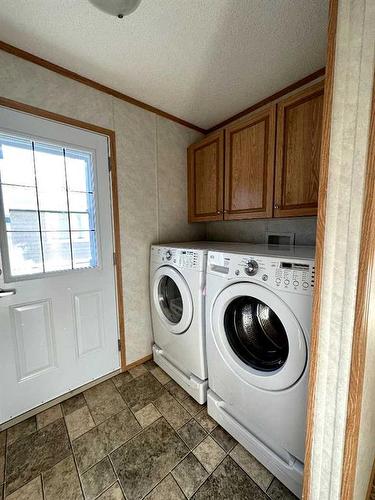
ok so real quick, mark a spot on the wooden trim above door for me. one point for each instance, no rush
(25, 108)
(322, 201)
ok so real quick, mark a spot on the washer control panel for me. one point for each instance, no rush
(177, 257)
(289, 274)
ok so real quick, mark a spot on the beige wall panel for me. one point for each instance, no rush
(172, 142)
(33, 85)
(136, 176)
(254, 231)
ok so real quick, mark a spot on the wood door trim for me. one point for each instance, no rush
(268, 115)
(286, 90)
(361, 320)
(139, 362)
(319, 252)
(25, 108)
(281, 140)
(218, 139)
(371, 485)
(27, 56)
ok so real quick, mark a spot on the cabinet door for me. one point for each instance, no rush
(299, 131)
(205, 178)
(249, 166)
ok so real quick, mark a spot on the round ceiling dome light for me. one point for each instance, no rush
(119, 8)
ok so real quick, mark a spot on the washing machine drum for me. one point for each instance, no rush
(256, 334)
(259, 336)
(170, 299)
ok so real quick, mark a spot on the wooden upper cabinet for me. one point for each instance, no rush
(205, 178)
(249, 166)
(299, 131)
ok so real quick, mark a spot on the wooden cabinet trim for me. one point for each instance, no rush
(216, 138)
(300, 209)
(268, 116)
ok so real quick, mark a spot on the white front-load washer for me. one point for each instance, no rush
(258, 313)
(177, 283)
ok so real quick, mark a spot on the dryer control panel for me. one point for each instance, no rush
(287, 274)
(178, 257)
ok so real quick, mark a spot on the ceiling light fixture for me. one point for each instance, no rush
(119, 8)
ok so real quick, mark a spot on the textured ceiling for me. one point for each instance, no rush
(201, 60)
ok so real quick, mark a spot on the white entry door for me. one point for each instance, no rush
(58, 314)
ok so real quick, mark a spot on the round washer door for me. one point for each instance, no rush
(172, 299)
(259, 336)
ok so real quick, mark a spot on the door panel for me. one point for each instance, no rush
(299, 131)
(249, 168)
(88, 313)
(32, 329)
(59, 331)
(205, 178)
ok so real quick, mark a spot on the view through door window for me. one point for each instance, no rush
(48, 207)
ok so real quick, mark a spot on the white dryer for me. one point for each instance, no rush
(258, 303)
(177, 282)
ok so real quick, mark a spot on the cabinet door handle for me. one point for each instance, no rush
(218, 212)
(276, 206)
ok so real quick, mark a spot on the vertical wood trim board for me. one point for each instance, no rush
(371, 485)
(342, 194)
(117, 245)
(364, 304)
(320, 231)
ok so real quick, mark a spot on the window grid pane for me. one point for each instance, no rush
(58, 233)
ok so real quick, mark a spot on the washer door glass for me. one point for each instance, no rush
(170, 299)
(256, 334)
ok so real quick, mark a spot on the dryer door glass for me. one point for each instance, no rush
(256, 334)
(170, 299)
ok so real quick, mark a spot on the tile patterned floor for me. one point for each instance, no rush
(138, 435)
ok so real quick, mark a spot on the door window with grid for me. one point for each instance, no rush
(48, 208)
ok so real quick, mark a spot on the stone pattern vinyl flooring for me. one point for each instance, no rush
(137, 435)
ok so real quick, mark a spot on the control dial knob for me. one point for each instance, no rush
(251, 267)
(168, 255)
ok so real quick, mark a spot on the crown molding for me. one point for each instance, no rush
(23, 54)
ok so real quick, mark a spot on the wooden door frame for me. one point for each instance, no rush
(320, 231)
(366, 268)
(361, 321)
(110, 134)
